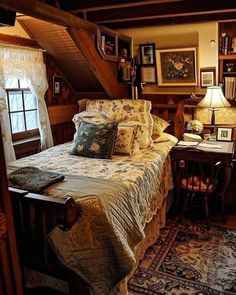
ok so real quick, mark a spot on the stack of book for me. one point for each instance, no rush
(227, 44)
(230, 88)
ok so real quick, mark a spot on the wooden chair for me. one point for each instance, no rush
(195, 177)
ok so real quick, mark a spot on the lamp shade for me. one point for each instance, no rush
(214, 98)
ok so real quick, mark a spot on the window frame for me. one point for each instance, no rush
(27, 133)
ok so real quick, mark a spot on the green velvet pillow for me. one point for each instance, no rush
(95, 140)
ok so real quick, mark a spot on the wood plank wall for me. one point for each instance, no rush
(62, 108)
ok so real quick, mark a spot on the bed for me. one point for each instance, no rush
(89, 231)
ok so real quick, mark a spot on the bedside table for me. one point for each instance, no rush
(225, 154)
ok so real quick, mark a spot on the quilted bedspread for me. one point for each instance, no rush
(116, 198)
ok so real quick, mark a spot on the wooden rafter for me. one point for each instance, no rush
(18, 41)
(103, 70)
(48, 13)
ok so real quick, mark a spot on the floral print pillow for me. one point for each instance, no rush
(159, 125)
(95, 140)
(128, 138)
(125, 110)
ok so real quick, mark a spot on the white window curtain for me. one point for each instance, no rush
(22, 63)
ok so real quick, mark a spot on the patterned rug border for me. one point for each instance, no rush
(174, 229)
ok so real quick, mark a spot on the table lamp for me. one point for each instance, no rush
(214, 99)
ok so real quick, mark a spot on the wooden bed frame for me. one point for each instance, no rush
(36, 215)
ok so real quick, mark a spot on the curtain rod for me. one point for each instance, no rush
(22, 47)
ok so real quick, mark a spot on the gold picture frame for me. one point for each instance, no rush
(177, 67)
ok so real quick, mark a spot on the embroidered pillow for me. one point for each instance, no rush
(128, 138)
(95, 140)
(159, 125)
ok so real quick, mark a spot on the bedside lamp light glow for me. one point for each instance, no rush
(213, 99)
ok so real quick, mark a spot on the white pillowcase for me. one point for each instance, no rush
(94, 117)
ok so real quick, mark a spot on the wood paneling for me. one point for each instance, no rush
(59, 114)
(63, 132)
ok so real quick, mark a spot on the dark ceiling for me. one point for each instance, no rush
(117, 14)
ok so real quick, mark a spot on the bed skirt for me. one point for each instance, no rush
(152, 231)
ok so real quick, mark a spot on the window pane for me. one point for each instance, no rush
(23, 83)
(30, 101)
(15, 99)
(31, 120)
(11, 83)
(17, 122)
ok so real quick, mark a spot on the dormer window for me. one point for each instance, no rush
(22, 108)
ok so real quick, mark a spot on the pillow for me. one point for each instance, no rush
(95, 140)
(164, 137)
(128, 138)
(95, 117)
(125, 110)
(159, 125)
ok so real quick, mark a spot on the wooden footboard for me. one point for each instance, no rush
(35, 216)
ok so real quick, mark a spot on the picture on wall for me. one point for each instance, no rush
(147, 54)
(148, 74)
(56, 86)
(177, 67)
(207, 76)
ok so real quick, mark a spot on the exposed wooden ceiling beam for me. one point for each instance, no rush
(109, 21)
(48, 13)
(18, 41)
(172, 20)
(123, 5)
(103, 70)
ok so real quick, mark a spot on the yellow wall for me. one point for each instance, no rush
(178, 36)
(17, 30)
(197, 35)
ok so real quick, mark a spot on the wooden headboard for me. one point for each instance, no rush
(173, 113)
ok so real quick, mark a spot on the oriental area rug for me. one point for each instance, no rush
(188, 260)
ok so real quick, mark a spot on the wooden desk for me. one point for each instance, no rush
(224, 154)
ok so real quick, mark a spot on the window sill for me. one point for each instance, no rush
(26, 140)
(27, 147)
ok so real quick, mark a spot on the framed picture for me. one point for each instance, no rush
(107, 44)
(207, 77)
(147, 54)
(148, 74)
(56, 86)
(177, 67)
(224, 134)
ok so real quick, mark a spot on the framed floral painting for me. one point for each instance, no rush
(177, 67)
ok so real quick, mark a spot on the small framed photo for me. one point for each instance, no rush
(224, 134)
(148, 74)
(57, 86)
(147, 54)
(207, 77)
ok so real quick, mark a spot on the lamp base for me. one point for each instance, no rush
(213, 117)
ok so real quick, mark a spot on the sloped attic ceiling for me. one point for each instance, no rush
(57, 42)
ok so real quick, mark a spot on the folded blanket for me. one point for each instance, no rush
(33, 179)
